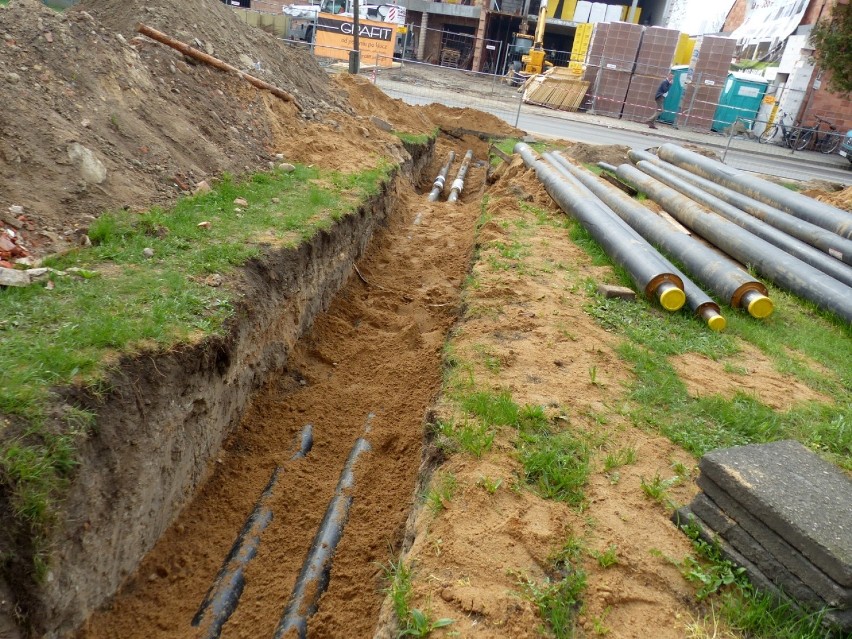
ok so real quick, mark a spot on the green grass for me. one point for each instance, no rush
(412, 621)
(441, 492)
(417, 138)
(469, 436)
(606, 558)
(122, 303)
(621, 457)
(555, 464)
(557, 600)
(657, 489)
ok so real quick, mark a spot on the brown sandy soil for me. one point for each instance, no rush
(376, 350)
(842, 199)
(750, 372)
(469, 559)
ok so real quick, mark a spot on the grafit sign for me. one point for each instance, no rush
(335, 39)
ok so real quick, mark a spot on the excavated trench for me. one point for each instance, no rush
(369, 367)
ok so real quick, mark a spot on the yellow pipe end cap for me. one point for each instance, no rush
(761, 307)
(717, 323)
(673, 299)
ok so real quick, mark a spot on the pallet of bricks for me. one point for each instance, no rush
(612, 57)
(701, 95)
(653, 63)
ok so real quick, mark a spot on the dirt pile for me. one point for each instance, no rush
(841, 199)
(94, 121)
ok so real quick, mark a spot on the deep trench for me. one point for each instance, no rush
(370, 366)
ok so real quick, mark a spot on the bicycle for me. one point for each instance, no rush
(788, 136)
(825, 143)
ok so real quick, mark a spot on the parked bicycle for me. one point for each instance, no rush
(813, 137)
(788, 136)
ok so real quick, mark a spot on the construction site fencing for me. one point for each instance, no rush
(452, 49)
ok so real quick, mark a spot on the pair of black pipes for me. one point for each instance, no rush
(652, 274)
(774, 264)
(222, 598)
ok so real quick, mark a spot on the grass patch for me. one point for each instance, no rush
(123, 303)
(606, 558)
(412, 621)
(471, 437)
(555, 464)
(441, 492)
(621, 457)
(417, 138)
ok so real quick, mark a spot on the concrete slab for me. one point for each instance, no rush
(841, 619)
(804, 499)
(792, 559)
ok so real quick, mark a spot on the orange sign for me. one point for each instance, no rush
(335, 39)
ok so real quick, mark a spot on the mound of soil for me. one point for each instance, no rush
(455, 119)
(841, 199)
(592, 153)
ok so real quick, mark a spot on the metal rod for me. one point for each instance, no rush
(774, 264)
(643, 263)
(838, 247)
(315, 574)
(438, 185)
(222, 598)
(458, 183)
(719, 274)
(803, 207)
(805, 252)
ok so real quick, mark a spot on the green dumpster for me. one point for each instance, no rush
(672, 101)
(740, 98)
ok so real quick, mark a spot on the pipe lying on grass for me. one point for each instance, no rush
(697, 301)
(805, 252)
(314, 577)
(438, 185)
(801, 206)
(646, 267)
(831, 243)
(458, 183)
(771, 262)
(715, 271)
(222, 598)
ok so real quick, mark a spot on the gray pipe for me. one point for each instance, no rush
(715, 271)
(774, 264)
(222, 598)
(438, 184)
(805, 252)
(458, 183)
(315, 574)
(803, 207)
(838, 247)
(643, 263)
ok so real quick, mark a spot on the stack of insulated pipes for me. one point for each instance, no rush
(593, 62)
(652, 64)
(701, 96)
(619, 56)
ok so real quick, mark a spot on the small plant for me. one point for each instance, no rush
(657, 489)
(608, 557)
(441, 493)
(490, 485)
(557, 465)
(621, 457)
(681, 469)
(557, 601)
(419, 624)
(714, 572)
(593, 375)
(412, 621)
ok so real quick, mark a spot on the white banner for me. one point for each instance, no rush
(770, 20)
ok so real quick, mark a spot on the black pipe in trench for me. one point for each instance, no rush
(805, 252)
(803, 207)
(643, 263)
(717, 272)
(222, 598)
(315, 574)
(771, 262)
(838, 247)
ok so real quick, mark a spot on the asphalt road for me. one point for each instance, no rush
(537, 122)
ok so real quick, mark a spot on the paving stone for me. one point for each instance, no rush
(703, 507)
(621, 292)
(13, 277)
(840, 618)
(804, 499)
(787, 555)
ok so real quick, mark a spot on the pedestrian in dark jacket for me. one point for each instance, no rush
(660, 97)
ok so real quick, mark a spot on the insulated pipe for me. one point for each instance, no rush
(801, 206)
(719, 274)
(774, 264)
(438, 185)
(838, 247)
(222, 598)
(805, 252)
(645, 265)
(458, 183)
(314, 577)
(697, 301)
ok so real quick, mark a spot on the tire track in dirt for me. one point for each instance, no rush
(376, 350)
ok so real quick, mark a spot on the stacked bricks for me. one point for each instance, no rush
(593, 62)
(653, 63)
(620, 44)
(784, 515)
(701, 96)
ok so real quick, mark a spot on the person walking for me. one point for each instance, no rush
(660, 97)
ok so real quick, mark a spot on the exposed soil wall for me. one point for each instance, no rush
(166, 414)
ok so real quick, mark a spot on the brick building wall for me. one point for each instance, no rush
(736, 16)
